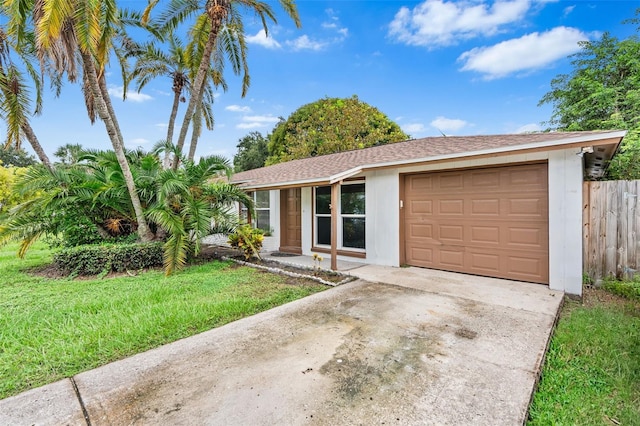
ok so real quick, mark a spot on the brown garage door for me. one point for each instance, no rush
(491, 221)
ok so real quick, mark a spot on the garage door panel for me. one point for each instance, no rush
(489, 207)
(451, 181)
(484, 180)
(494, 223)
(422, 256)
(453, 258)
(422, 230)
(451, 207)
(529, 207)
(484, 235)
(451, 233)
(532, 238)
(421, 207)
(482, 263)
(527, 268)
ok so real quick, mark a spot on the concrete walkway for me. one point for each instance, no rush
(405, 346)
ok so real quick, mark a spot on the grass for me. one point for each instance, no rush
(56, 328)
(591, 374)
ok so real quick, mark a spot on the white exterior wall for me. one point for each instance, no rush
(382, 224)
(272, 243)
(565, 221)
(306, 220)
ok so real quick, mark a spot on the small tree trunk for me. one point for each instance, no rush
(172, 122)
(35, 144)
(196, 132)
(144, 233)
(203, 71)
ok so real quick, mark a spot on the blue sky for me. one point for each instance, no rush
(436, 66)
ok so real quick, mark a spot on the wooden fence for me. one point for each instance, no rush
(611, 229)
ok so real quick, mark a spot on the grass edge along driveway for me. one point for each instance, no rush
(591, 374)
(56, 328)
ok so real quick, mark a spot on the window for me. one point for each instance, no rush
(351, 225)
(263, 211)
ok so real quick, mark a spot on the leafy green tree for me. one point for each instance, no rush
(15, 157)
(9, 197)
(252, 152)
(331, 125)
(602, 92)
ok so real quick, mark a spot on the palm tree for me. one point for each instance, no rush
(66, 30)
(219, 14)
(152, 62)
(15, 101)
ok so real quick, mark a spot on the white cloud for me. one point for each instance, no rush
(263, 40)
(444, 124)
(334, 24)
(117, 91)
(413, 128)
(238, 108)
(529, 52)
(529, 128)
(162, 125)
(305, 43)
(434, 23)
(257, 121)
(567, 10)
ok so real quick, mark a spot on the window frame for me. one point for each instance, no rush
(245, 214)
(341, 217)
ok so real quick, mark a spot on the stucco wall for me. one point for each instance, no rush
(565, 221)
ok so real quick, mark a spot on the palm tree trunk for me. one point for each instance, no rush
(112, 113)
(35, 144)
(172, 122)
(203, 71)
(196, 132)
(144, 233)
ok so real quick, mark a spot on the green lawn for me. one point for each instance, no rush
(592, 371)
(55, 328)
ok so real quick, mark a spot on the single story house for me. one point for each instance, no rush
(507, 206)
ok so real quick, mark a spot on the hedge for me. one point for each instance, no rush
(98, 259)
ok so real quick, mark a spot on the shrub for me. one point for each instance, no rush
(97, 259)
(628, 289)
(248, 240)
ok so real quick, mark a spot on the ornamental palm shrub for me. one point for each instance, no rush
(189, 206)
(90, 199)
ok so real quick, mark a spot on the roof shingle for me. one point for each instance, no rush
(323, 168)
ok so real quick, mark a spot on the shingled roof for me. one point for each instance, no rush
(334, 167)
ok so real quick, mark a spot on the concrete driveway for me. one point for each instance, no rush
(404, 346)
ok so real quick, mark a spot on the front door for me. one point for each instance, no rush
(291, 220)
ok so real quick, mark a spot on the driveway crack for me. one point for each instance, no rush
(84, 409)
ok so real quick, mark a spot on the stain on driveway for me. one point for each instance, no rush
(364, 353)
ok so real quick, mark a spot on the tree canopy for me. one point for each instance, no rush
(252, 152)
(331, 125)
(602, 92)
